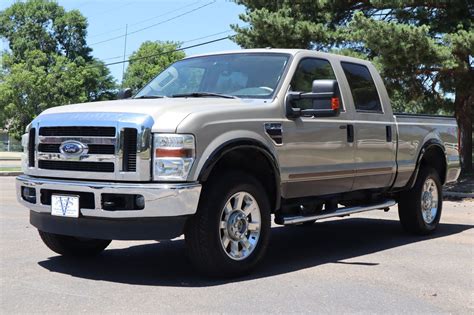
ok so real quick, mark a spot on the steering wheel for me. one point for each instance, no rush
(266, 88)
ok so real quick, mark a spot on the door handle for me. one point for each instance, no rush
(388, 133)
(350, 133)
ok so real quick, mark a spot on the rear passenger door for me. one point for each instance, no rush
(374, 129)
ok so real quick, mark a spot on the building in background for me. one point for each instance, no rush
(8, 143)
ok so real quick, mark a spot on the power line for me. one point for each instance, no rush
(112, 9)
(156, 24)
(83, 5)
(166, 13)
(186, 41)
(164, 53)
(204, 37)
(124, 52)
(143, 21)
(171, 51)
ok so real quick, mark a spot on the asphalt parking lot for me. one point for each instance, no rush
(361, 264)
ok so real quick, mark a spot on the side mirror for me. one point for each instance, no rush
(125, 93)
(324, 96)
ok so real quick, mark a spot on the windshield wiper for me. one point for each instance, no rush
(149, 96)
(203, 94)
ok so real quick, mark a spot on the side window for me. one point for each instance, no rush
(362, 87)
(310, 69)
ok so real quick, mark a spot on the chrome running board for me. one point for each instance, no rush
(338, 213)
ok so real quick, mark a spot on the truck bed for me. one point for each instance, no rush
(413, 131)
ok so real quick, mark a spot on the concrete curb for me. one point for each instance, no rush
(15, 173)
(454, 194)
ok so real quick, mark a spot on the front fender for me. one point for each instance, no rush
(210, 151)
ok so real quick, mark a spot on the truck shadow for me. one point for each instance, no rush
(290, 249)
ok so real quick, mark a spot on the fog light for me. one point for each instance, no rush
(122, 202)
(139, 202)
(28, 194)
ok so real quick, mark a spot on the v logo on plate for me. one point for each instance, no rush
(64, 206)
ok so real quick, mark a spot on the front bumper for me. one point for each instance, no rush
(160, 228)
(163, 203)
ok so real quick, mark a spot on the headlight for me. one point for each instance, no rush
(173, 156)
(25, 154)
(24, 141)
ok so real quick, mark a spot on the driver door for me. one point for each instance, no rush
(316, 157)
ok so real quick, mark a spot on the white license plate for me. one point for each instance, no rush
(65, 206)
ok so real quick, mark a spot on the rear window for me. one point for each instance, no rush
(362, 87)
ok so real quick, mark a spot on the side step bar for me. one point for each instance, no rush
(338, 213)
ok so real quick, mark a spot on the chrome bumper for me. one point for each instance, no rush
(161, 200)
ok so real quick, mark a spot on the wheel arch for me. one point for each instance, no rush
(432, 154)
(232, 153)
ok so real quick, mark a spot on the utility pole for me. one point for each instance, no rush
(124, 52)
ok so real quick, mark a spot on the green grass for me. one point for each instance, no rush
(10, 169)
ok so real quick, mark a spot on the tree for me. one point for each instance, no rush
(150, 59)
(423, 49)
(48, 63)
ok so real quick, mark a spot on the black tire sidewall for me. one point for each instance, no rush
(215, 196)
(410, 210)
(426, 174)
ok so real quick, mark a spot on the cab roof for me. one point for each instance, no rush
(292, 52)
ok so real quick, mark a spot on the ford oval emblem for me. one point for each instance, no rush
(73, 148)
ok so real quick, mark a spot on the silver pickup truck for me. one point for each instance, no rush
(217, 144)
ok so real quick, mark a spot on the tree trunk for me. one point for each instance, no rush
(463, 113)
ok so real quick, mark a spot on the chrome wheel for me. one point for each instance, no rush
(240, 225)
(429, 201)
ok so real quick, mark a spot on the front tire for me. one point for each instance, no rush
(73, 246)
(420, 208)
(228, 235)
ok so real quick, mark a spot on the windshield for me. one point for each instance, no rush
(244, 75)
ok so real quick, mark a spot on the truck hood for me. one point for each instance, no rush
(166, 113)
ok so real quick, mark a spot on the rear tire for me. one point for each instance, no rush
(229, 234)
(420, 208)
(73, 246)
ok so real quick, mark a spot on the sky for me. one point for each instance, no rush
(188, 21)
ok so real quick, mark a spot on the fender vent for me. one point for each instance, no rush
(275, 131)
(129, 150)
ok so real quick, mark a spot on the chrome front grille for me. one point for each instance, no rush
(93, 148)
(31, 147)
(97, 167)
(99, 139)
(78, 131)
(116, 148)
(96, 138)
(129, 162)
